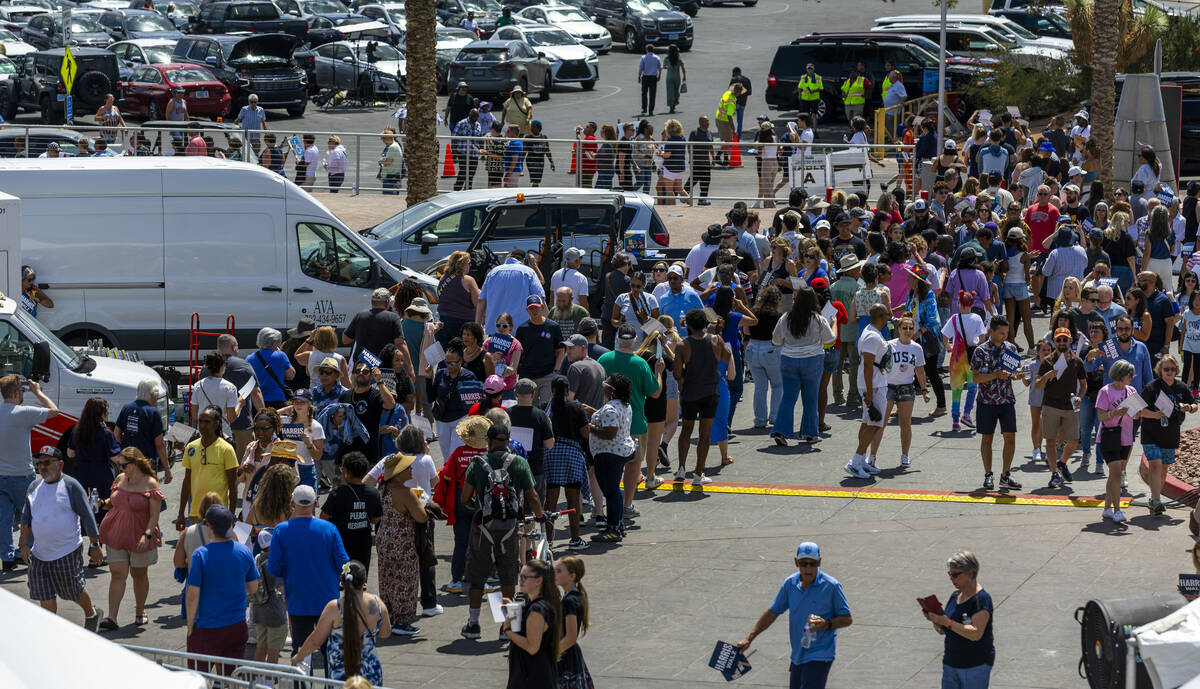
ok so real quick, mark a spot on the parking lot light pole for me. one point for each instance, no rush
(941, 113)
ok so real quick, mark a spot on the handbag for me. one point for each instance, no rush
(683, 87)
(423, 534)
(1110, 440)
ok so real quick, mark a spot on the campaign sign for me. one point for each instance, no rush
(388, 377)
(369, 359)
(470, 392)
(1189, 584)
(1110, 348)
(291, 431)
(1010, 361)
(729, 660)
(500, 343)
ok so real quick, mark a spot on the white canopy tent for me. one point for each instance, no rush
(49, 651)
(1170, 649)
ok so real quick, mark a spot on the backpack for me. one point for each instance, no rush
(500, 503)
(262, 594)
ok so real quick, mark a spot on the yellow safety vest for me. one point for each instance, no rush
(727, 108)
(887, 83)
(810, 89)
(853, 91)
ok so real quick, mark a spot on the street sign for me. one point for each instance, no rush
(70, 108)
(69, 69)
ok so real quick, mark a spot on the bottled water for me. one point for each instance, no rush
(809, 637)
(94, 496)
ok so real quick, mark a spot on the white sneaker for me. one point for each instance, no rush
(870, 468)
(1037, 455)
(700, 480)
(855, 471)
(1108, 514)
(870, 461)
(905, 461)
(1118, 516)
(433, 612)
(680, 475)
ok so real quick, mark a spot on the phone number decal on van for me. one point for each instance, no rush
(324, 313)
(94, 391)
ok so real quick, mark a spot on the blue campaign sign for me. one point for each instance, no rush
(929, 81)
(369, 359)
(1010, 361)
(729, 660)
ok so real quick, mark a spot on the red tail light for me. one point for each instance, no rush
(772, 81)
(253, 29)
(661, 236)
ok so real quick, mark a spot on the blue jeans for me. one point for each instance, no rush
(642, 179)
(801, 379)
(966, 677)
(741, 111)
(735, 385)
(810, 675)
(12, 498)
(1088, 422)
(609, 468)
(604, 178)
(811, 370)
(763, 359)
(462, 535)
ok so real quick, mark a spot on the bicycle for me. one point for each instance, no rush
(541, 540)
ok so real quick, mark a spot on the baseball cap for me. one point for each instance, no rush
(572, 254)
(675, 270)
(463, 85)
(842, 217)
(534, 299)
(1075, 170)
(919, 206)
(1083, 114)
(1062, 332)
(302, 394)
(728, 231)
(264, 539)
(822, 223)
(381, 295)
(1096, 234)
(818, 283)
(627, 332)
(587, 326)
(950, 145)
(577, 340)
(52, 146)
(493, 385)
(304, 495)
(49, 451)
(221, 519)
(808, 551)
(1046, 146)
(497, 433)
(1073, 187)
(1018, 233)
(1137, 186)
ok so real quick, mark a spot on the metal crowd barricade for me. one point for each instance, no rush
(246, 674)
(821, 165)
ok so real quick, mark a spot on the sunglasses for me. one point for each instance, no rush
(503, 326)
(953, 575)
(1169, 369)
(361, 372)
(264, 429)
(660, 270)
(1043, 193)
(525, 577)
(453, 363)
(1094, 300)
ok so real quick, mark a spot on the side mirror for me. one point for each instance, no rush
(428, 241)
(211, 59)
(41, 362)
(542, 55)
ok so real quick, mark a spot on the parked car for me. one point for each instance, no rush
(180, 16)
(31, 143)
(980, 41)
(368, 67)
(1022, 36)
(103, 5)
(573, 21)
(37, 84)
(141, 51)
(252, 16)
(498, 66)
(392, 14)
(450, 42)
(45, 31)
(689, 7)
(13, 45)
(150, 87)
(570, 61)
(452, 12)
(454, 218)
(638, 22)
(262, 64)
(322, 31)
(126, 24)
(827, 53)
(16, 17)
(332, 10)
(712, 3)
(8, 68)
(46, 5)
(1043, 24)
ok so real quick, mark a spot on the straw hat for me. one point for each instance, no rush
(284, 449)
(396, 464)
(473, 432)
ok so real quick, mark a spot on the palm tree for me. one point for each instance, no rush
(421, 153)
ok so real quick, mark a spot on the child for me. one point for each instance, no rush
(992, 305)
(962, 333)
(1191, 343)
(572, 670)
(267, 609)
(1035, 399)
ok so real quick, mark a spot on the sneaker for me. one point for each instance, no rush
(9, 566)
(490, 587)
(988, 483)
(1087, 457)
(700, 480)
(588, 506)
(1099, 467)
(601, 522)
(955, 427)
(470, 630)
(966, 421)
(453, 587)
(654, 482)
(92, 623)
(870, 467)
(905, 461)
(680, 475)
(577, 544)
(705, 202)
(1157, 507)
(607, 536)
(1119, 516)
(1007, 481)
(1056, 481)
(855, 471)
(662, 456)
(1107, 514)
(779, 439)
(1038, 457)
(436, 610)
(1064, 471)
(1124, 481)
(631, 512)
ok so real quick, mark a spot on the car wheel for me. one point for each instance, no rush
(693, 11)
(588, 85)
(153, 112)
(297, 110)
(686, 46)
(631, 44)
(822, 108)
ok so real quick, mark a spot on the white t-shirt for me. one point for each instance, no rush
(871, 341)
(311, 156)
(424, 474)
(647, 302)
(315, 434)
(218, 392)
(569, 277)
(972, 327)
(906, 358)
(697, 257)
(707, 277)
(315, 359)
(56, 527)
(859, 138)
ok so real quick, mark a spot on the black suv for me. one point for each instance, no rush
(832, 56)
(639, 22)
(261, 64)
(37, 85)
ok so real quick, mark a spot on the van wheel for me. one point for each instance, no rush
(297, 110)
(750, 3)
(822, 109)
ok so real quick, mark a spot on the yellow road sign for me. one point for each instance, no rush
(68, 69)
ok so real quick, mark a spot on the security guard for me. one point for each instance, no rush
(854, 94)
(810, 88)
(727, 112)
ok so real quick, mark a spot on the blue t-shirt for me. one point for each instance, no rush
(140, 424)
(220, 570)
(1160, 307)
(678, 150)
(823, 598)
(279, 363)
(396, 417)
(960, 652)
(308, 555)
(514, 151)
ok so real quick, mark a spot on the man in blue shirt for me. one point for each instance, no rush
(220, 575)
(308, 555)
(649, 69)
(745, 240)
(1162, 314)
(680, 298)
(504, 291)
(1131, 350)
(817, 608)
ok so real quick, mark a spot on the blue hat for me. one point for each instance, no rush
(808, 551)
(1046, 146)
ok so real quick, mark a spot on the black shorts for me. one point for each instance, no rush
(568, 486)
(988, 414)
(704, 408)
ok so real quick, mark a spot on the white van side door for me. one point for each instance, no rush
(330, 275)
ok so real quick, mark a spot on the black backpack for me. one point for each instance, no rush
(500, 503)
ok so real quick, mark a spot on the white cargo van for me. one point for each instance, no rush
(130, 247)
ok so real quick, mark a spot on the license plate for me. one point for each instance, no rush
(200, 94)
(672, 36)
(477, 72)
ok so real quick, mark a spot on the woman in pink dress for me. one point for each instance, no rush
(131, 534)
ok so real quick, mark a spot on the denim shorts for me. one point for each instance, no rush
(1015, 290)
(901, 393)
(1154, 453)
(672, 387)
(831, 359)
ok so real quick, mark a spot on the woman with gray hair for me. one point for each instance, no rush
(1115, 437)
(967, 625)
(140, 425)
(272, 367)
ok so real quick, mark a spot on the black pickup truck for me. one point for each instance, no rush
(253, 16)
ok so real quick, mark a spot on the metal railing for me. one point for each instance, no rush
(243, 674)
(717, 171)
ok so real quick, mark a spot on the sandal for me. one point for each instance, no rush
(726, 461)
(141, 620)
(108, 624)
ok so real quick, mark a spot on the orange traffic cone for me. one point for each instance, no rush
(572, 170)
(735, 155)
(448, 166)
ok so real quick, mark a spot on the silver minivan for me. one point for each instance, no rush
(453, 219)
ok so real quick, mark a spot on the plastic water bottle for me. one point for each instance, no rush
(94, 496)
(809, 637)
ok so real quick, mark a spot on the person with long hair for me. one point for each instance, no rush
(1099, 211)
(1149, 171)
(606, 157)
(458, 295)
(1160, 440)
(272, 502)
(962, 332)
(1137, 306)
(566, 466)
(762, 356)
(1069, 296)
(319, 346)
(94, 450)
(348, 628)
(802, 336)
(1190, 346)
(534, 654)
(505, 350)
(1092, 354)
(778, 268)
(922, 304)
(830, 349)
(768, 164)
(572, 670)
(1016, 284)
(473, 359)
(1120, 248)
(907, 368)
(676, 76)
(674, 166)
(612, 447)
(1160, 245)
(399, 564)
(403, 295)
(736, 316)
(1188, 284)
(131, 534)
(656, 346)
(719, 433)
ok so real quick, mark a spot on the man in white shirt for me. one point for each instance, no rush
(697, 258)
(306, 167)
(1080, 133)
(569, 276)
(872, 387)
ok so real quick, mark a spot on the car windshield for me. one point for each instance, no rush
(149, 22)
(397, 15)
(409, 217)
(549, 37)
(80, 23)
(260, 10)
(7, 36)
(7, 66)
(650, 6)
(189, 75)
(1001, 38)
(70, 358)
(1019, 30)
(158, 54)
(323, 7)
(490, 6)
(44, 4)
(556, 16)
(454, 34)
(482, 55)
(250, 58)
(383, 52)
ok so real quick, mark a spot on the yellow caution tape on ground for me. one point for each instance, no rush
(870, 493)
